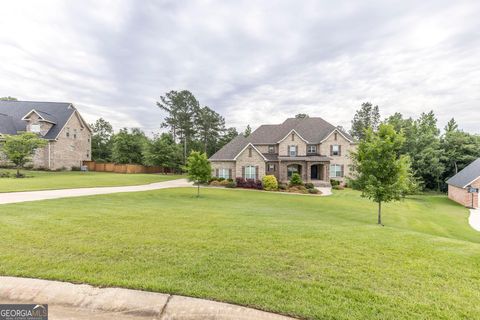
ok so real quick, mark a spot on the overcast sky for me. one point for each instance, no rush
(252, 62)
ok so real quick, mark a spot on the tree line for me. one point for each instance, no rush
(191, 127)
(435, 155)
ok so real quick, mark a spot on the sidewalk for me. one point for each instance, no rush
(79, 301)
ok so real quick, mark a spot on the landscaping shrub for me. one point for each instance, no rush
(296, 180)
(215, 183)
(75, 168)
(270, 183)
(309, 185)
(231, 184)
(314, 191)
(221, 179)
(334, 182)
(224, 182)
(282, 186)
(338, 187)
(5, 174)
(213, 179)
(298, 189)
(249, 183)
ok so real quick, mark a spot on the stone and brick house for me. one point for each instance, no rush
(312, 147)
(460, 184)
(68, 135)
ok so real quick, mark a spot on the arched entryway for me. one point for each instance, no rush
(293, 168)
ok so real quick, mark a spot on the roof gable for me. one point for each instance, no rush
(56, 113)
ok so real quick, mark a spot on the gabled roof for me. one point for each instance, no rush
(42, 115)
(466, 176)
(312, 130)
(56, 113)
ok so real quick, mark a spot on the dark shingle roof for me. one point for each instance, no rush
(314, 130)
(55, 112)
(469, 174)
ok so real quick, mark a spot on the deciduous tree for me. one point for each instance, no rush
(198, 169)
(20, 148)
(368, 116)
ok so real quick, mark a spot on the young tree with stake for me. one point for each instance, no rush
(19, 149)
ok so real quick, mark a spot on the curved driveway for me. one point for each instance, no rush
(14, 197)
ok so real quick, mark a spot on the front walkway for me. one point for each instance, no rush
(474, 219)
(79, 301)
(14, 197)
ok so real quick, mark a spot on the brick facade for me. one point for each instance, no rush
(462, 196)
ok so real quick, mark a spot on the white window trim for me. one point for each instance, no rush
(339, 171)
(294, 151)
(288, 135)
(338, 131)
(224, 173)
(311, 146)
(338, 150)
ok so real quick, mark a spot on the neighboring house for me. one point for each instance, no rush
(312, 147)
(459, 185)
(68, 135)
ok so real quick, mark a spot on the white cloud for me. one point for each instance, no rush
(254, 62)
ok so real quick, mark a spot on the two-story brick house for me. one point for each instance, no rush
(67, 134)
(312, 147)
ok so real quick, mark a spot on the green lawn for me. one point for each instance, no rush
(310, 257)
(45, 180)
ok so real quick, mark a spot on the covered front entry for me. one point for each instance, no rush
(317, 172)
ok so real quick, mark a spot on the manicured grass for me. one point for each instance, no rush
(310, 257)
(46, 180)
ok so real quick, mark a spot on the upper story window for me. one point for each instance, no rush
(311, 149)
(35, 128)
(292, 151)
(335, 150)
(271, 149)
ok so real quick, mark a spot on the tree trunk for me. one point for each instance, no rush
(380, 213)
(18, 172)
(198, 189)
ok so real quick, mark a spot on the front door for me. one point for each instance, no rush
(314, 172)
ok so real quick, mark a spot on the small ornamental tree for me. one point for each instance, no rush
(296, 180)
(382, 173)
(270, 183)
(20, 149)
(198, 169)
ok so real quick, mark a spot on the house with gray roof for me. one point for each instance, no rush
(311, 147)
(464, 186)
(60, 123)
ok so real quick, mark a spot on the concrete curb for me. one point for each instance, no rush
(134, 302)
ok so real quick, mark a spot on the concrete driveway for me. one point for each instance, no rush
(14, 197)
(474, 219)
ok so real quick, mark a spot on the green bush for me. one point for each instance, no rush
(221, 179)
(297, 189)
(5, 174)
(296, 180)
(313, 191)
(309, 185)
(224, 182)
(334, 182)
(270, 183)
(231, 184)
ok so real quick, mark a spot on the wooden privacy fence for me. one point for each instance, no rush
(124, 168)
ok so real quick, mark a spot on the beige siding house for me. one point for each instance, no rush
(68, 135)
(312, 147)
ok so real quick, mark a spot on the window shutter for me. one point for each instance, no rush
(243, 172)
(230, 174)
(331, 150)
(296, 151)
(288, 150)
(341, 172)
(216, 172)
(256, 172)
(339, 150)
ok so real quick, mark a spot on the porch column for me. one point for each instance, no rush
(326, 171)
(309, 172)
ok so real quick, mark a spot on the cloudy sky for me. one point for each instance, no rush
(252, 62)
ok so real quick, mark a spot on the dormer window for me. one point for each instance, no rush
(292, 151)
(312, 148)
(35, 128)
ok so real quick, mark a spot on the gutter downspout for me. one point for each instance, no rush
(49, 153)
